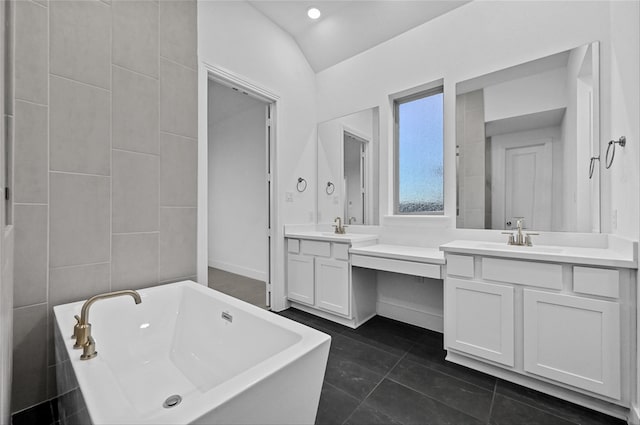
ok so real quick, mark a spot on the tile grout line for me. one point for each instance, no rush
(48, 259)
(159, 147)
(493, 398)
(175, 62)
(182, 136)
(135, 152)
(380, 382)
(452, 377)
(111, 149)
(133, 71)
(52, 74)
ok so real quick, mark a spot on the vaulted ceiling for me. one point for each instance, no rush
(347, 28)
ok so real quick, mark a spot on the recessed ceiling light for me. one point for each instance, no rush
(313, 13)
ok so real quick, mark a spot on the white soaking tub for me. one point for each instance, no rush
(251, 366)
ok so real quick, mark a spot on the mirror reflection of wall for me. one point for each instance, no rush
(347, 168)
(356, 190)
(524, 137)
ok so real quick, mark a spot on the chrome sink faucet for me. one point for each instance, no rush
(340, 229)
(82, 329)
(519, 238)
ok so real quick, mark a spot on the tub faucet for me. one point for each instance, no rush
(82, 329)
(340, 229)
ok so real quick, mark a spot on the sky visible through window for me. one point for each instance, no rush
(420, 150)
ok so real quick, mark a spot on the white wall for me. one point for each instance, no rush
(485, 36)
(536, 93)
(475, 39)
(236, 37)
(622, 99)
(238, 215)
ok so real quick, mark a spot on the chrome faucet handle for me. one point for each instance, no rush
(512, 239)
(527, 238)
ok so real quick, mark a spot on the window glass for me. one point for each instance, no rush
(419, 154)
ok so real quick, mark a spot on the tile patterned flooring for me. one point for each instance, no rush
(387, 372)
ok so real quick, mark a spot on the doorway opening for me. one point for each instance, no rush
(239, 192)
(355, 188)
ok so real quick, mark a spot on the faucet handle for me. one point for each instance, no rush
(527, 238)
(89, 349)
(76, 327)
(511, 240)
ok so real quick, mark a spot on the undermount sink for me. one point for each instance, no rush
(523, 248)
(338, 235)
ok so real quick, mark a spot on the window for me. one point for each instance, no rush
(419, 159)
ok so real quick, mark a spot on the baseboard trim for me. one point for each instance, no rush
(242, 271)
(412, 316)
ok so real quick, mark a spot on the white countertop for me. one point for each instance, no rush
(559, 254)
(331, 237)
(402, 252)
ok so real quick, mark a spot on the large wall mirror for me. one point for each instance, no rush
(525, 137)
(348, 168)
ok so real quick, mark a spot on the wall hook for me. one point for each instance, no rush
(622, 141)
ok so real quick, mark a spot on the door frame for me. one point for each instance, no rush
(365, 142)
(206, 72)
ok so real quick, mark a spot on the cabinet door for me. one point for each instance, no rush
(300, 278)
(479, 319)
(573, 340)
(332, 285)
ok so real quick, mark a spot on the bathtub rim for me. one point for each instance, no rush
(89, 372)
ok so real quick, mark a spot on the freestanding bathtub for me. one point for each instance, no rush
(228, 362)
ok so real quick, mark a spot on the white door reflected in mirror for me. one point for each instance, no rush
(525, 137)
(348, 169)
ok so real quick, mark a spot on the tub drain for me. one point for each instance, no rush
(172, 401)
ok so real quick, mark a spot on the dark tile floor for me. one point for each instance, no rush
(387, 372)
(42, 414)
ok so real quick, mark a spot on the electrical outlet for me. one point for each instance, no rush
(288, 196)
(614, 219)
(336, 200)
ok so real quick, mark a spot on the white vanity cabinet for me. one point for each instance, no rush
(558, 327)
(300, 278)
(574, 340)
(332, 285)
(320, 281)
(480, 319)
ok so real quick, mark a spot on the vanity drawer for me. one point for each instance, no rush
(594, 281)
(397, 266)
(321, 249)
(341, 251)
(460, 265)
(541, 275)
(293, 246)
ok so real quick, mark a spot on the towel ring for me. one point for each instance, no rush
(330, 188)
(622, 141)
(592, 165)
(302, 185)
